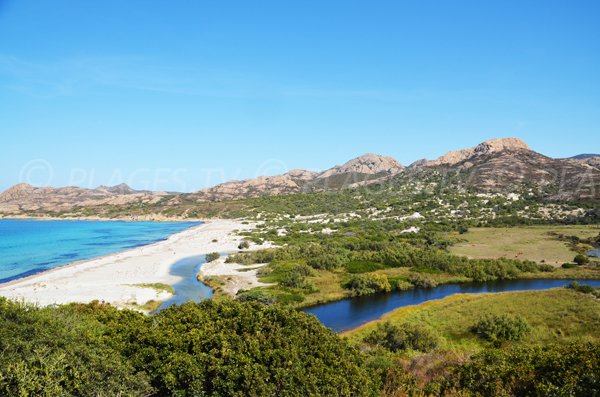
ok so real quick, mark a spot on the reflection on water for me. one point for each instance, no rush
(350, 313)
(189, 288)
(595, 253)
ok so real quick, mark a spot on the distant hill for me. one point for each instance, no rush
(504, 165)
(24, 198)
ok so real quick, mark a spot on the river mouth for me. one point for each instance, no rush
(189, 288)
(351, 313)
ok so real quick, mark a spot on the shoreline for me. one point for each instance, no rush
(82, 261)
(149, 218)
(114, 278)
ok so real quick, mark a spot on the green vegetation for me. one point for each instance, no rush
(584, 289)
(232, 348)
(213, 256)
(581, 260)
(401, 338)
(222, 348)
(366, 284)
(570, 370)
(498, 329)
(366, 257)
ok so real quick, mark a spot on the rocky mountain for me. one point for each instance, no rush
(368, 164)
(507, 165)
(290, 182)
(486, 148)
(369, 167)
(23, 198)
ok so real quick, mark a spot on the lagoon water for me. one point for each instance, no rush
(351, 313)
(32, 246)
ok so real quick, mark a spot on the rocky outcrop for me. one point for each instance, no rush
(486, 148)
(369, 164)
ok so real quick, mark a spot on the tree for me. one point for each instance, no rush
(581, 259)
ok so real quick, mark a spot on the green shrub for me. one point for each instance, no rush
(546, 268)
(568, 265)
(420, 281)
(570, 370)
(402, 337)
(213, 256)
(361, 266)
(584, 289)
(500, 328)
(255, 295)
(581, 259)
(325, 261)
(366, 284)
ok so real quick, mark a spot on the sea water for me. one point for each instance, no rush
(32, 246)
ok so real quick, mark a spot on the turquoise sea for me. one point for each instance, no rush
(32, 246)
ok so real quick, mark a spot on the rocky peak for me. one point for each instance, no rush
(16, 192)
(122, 188)
(303, 175)
(500, 144)
(366, 164)
(487, 147)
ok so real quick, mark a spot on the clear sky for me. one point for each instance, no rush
(177, 95)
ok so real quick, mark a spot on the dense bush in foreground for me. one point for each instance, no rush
(572, 370)
(209, 349)
(232, 348)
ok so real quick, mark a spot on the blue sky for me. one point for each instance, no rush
(179, 95)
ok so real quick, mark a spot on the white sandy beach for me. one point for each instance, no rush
(112, 278)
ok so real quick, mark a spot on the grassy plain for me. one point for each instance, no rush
(535, 243)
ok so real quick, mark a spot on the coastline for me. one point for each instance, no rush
(115, 278)
(145, 218)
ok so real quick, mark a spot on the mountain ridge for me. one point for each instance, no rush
(495, 165)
